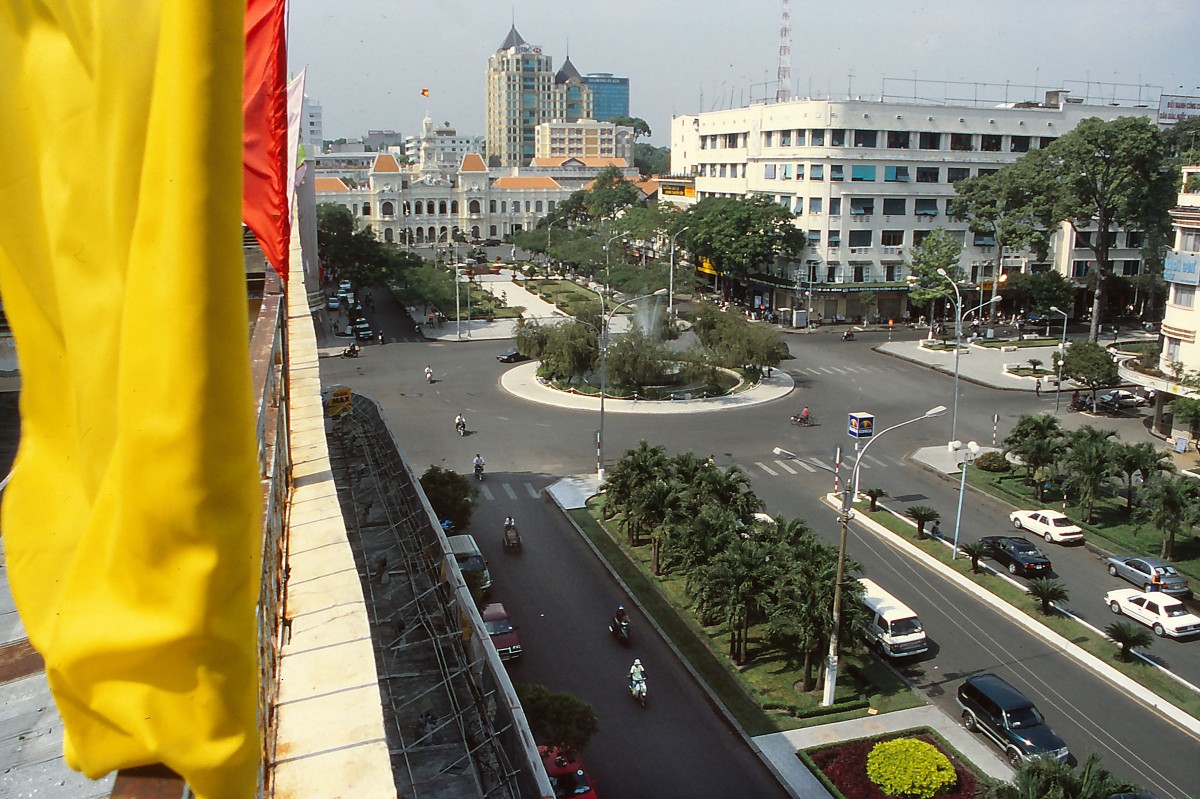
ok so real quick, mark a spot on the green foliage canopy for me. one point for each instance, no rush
(741, 234)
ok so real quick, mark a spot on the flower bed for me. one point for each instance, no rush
(843, 766)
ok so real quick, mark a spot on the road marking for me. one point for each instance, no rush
(766, 469)
(509, 490)
(812, 371)
(827, 370)
(783, 465)
(487, 493)
(873, 459)
(803, 465)
(533, 494)
(821, 464)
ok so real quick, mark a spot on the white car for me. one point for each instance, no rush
(1049, 524)
(1121, 398)
(1161, 613)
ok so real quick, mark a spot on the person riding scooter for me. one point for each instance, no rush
(619, 625)
(848, 335)
(460, 425)
(637, 681)
(478, 466)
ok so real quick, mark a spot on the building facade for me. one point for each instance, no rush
(449, 148)
(610, 95)
(522, 92)
(868, 181)
(312, 131)
(1181, 272)
(585, 138)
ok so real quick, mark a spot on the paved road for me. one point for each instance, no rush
(832, 377)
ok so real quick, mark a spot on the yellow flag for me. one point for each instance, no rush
(132, 522)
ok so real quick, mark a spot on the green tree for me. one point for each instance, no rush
(356, 254)
(639, 125)
(998, 205)
(1098, 177)
(1088, 464)
(610, 194)
(1143, 457)
(1047, 590)
(1049, 778)
(1039, 291)
(874, 494)
(651, 160)
(922, 515)
(938, 250)
(1186, 410)
(1127, 635)
(1037, 440)
(975, 550)
(1170, 505)
(740, 234)
(450, 493)
(557, 718)
(568, 350)
(636, 467)
(636, 359)
(1089, 363)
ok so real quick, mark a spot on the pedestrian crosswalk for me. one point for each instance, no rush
(492, 491)
(812, 465)
(820, 371)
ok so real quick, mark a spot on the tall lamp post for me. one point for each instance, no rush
(1062, 353)
(605, 321)
(671, 279)
(608, 264)
(969, 453)
(831, 665)
(958, 323)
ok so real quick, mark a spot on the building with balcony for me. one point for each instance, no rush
(448, 147)
(584, 138)
(869, 180)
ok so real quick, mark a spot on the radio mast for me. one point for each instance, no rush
(783, 90)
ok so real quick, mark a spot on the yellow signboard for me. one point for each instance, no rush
(706, 266)
(338, 401)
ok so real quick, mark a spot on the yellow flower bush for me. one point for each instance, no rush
(910, 768)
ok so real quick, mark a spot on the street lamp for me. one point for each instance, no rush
(831, 665)
(606, 320)
(958, 322)
(671, 279)
(969, 453)
(1062, 353)
(608, 264)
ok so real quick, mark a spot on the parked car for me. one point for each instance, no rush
(364, 334)
(346, 285)
(470, 559)
(1163, 614)
(1138, 570)
(1121, 398)
(1017, 554)
(501, 630)
(333, 303)
(491, 242)
(511, 355)
(1002, 713)
(1049, 524)
(567, 775)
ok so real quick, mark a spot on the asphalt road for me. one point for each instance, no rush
(525, 443)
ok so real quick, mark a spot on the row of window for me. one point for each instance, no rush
(866, 173)
(1128, 268)
(888, 139)
(418, 208)
(890, 238)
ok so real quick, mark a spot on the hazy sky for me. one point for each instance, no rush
(369, 59)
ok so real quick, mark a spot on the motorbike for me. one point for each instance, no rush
(848, 336)
(512, 537)
(479, 472)
(350, 352)
(802, 421)
(429, 376)
(637, 690)
(448, 527)
(620, 630)
(461, 427)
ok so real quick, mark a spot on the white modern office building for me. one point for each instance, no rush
(448, 147)
(868, 181)
(312, 130)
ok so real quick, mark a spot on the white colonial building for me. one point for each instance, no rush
(868, 181)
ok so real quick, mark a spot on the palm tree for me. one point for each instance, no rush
(1047, 590)
(1143, 457)
(1044, 777)
(874, 494)
(974, 550)
(634, 469)
(1088, 464)
(922, 515)
(1037, 440)
(1169, 504)
(1127, 635)
(1034, 363)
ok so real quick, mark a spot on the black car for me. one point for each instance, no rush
(1001, 712)
(491, 242)
(511, 355)
(1017, 554)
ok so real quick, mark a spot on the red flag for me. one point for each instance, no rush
(264, 136)
(424, 92)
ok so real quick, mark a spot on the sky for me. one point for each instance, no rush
(368, 60)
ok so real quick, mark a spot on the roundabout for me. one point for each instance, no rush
(521, 381)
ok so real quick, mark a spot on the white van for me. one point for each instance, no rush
(469, 558)
(893, 628)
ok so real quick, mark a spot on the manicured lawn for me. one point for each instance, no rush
(1022, 343)
(1098, 645)
(763, 694)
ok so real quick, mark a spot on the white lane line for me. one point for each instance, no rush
(812, 371)
(509, 490)
(766, 469)
(487, 492)
(804, 465)
(783, 465)
(875, 460)
(828, 371)
(533, 494)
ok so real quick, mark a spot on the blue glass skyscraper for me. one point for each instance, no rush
(610, 95)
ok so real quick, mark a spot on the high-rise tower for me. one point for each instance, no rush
(522, 91)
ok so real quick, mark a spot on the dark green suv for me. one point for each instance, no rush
(1002, 713)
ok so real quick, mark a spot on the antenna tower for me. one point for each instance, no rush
(783, 77)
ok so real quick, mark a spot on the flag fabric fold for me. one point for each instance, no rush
(132, 523)
(265, 106)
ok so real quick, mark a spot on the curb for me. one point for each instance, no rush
(1102, 669)
(708, 692)
(935, 368)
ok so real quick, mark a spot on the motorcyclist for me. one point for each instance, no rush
(637, 672)
(806, 416)
(848, 335)
(428, 374)
(460, 423)
(509, 523)
(621, 615)
(478, 463)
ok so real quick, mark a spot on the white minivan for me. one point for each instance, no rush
(893, 627)
(470, 559)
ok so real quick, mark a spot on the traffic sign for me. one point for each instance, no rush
(861, 425)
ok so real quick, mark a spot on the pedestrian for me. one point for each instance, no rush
(1156, 580)
(1037, 387)
(381, 341)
